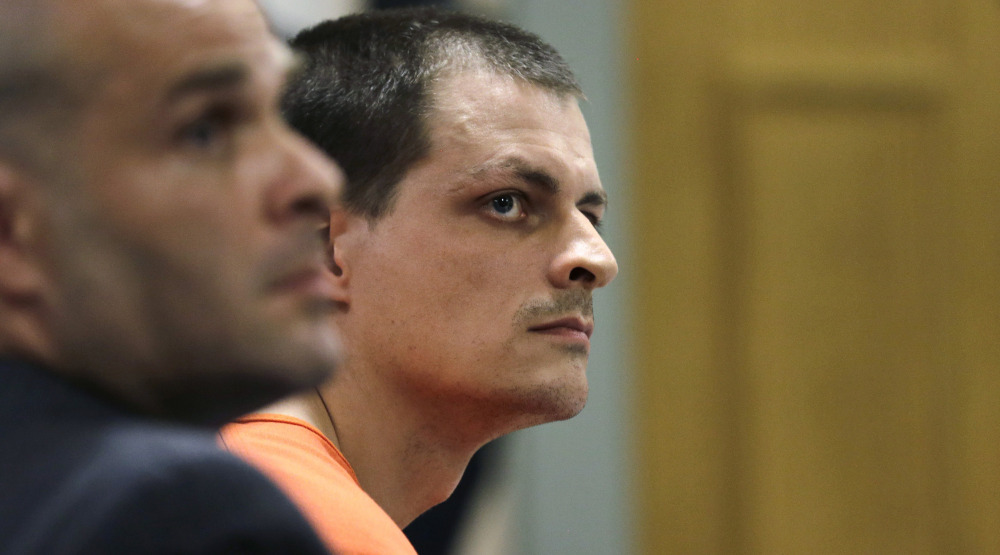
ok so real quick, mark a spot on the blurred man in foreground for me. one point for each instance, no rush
(464, 273)
(160, 273)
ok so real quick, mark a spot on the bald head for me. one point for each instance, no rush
(37, 94)
(20, 21)
(153, 205)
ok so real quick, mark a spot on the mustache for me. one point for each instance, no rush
(564, 302)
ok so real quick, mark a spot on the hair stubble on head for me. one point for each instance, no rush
(366, 94)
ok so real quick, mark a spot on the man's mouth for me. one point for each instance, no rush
(312, 280)
(570, 327)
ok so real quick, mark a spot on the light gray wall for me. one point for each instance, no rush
(576, 495)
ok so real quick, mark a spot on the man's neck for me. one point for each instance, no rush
(398, 459)
(307, 407)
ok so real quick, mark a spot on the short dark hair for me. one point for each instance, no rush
(365, 93)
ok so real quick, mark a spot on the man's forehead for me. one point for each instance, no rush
(162, 41)
(227, 72)
(105, 27)
(479, 87)
(483, 106)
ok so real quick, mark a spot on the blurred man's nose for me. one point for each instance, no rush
(311, 184)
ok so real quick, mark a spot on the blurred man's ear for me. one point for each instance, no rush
(20, 275)
(6, 204)
(23, 283)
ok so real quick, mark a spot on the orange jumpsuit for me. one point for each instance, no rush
(310, 469)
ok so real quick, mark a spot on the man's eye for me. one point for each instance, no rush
(202, 133)
(208, 130)
(507, 206)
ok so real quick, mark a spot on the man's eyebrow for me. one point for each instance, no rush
(594, 198)
(538, 178)
(542, 179)
(523, 171)
(208, 79)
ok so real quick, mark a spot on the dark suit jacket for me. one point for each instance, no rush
(81, 475)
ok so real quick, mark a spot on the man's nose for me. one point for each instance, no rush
(310, 186)
(585, 261)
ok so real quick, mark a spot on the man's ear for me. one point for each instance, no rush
(24, 283)
(338, 253)
(20, 273)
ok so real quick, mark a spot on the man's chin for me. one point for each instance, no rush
(222, 385)
(215, 399)
(555, 402)
(570, 407)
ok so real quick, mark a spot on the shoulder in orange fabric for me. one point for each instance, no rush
(316, 476)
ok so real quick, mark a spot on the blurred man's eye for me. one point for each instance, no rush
(210, 130)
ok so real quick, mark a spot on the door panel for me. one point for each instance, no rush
(817, 219)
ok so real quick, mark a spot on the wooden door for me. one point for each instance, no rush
(817, 190)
